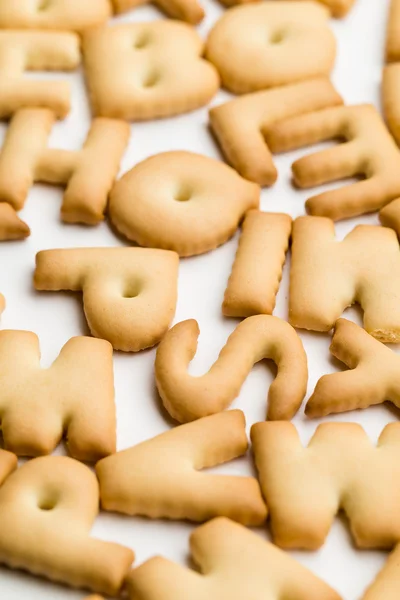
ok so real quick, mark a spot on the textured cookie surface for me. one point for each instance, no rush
(176, 489)
(235, 563)
(262, 45)
(11, 226)
(187, 398)
(144, 71)
(129, 294)
(181, 201)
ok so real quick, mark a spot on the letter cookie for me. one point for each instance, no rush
(74, 396)
(373, 378)
(47, 509)
(181, 201)
(390, 215)
(341, 469)
(369, 151)
(391, 72)
(8, 464)
(88, 174)
(73, 15)
(338, 8)
(11, 226)
(327, 276)
(129, 294)
(142, 71)
(386, 585)
(185, 10)
(240, 125)
(253, 284)
(234, 563)
(22, 51)
(187, 398)
(266, 44)
(176, 490)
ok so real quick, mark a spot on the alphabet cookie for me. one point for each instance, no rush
(72, 15)
(75, 397)
(142, 71)
(390, 215)
(386, 584)
(392, 33)
(369, 150)
(129, 294)
(240, 124)
(187, 398)
(338, 8)
(47, 509)
(262, 45)
(22, 51)
(328, 275)
(11, 226)
(373, 378)
(8, 464)
(181, 201)
(88, 174)
(253, 284)
(234, 563)
(176, 490)
(185, 10)
(342, 469)
(391, 72)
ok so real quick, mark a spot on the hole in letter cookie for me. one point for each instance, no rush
(337, 467)
(130, 322)
(241, 124)
(327, 276)
(75, 396)
(178, 79)
(36, 51)
(87, 174)
(235, 563)
(368, 151)
(181, 201)
(178, 490)
(187, 398)
(262, 45)
(56, 543)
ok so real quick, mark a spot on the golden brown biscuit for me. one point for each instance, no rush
(141, 71)
(234, 563)
(88, 174)
(187, 398)
(240, 125)
(386, 585)
(47, 509)
(390, 215)
(262, 45)
(74, 397)
(341, 469)
(22, 51)
(328, 275)
(254, 283)
(373, 378)
(181, 201)
(11, 226)
(8, 464)
(368, 151)
(176, 489)
(73, 15)
(338, 8)
(392, 33)
(129, 294)
(391, 98)
(185, 10)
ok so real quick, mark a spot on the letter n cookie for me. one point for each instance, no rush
(147, 70)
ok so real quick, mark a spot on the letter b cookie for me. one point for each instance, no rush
(147, 70)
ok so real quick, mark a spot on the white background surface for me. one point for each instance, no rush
(56, 317)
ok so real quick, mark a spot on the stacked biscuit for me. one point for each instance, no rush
(276, 56)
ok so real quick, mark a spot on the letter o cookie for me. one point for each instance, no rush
(181, 201)
(264, 45)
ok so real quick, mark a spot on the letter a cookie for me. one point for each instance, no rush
(328, 275)
(129, 294)
(187, 398)
(47, 509)
(144, 71)
(235, 563)
(176, 490)
(74, 396)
